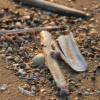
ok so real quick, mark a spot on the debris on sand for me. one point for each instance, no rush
(24, 54)
(26, 92)
(3, 87)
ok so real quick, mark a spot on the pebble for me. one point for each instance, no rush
(76, 98)
(38, 60)
(31, 78)
(26, 92)
(33, 88)
(9, 57)
(2, 51)
(42, 90)
(86, 93)
(85, 9)
(5, 44)
(17, 59)
(98, 70)
(10, 49)
(18, 24)
(26, 17)
(3, 87)
(21, 48)
(27, 66)
(15, 67)
(98, 92)
(21, 72)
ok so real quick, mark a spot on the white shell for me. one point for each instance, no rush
(71, 53)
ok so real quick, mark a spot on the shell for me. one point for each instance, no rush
(71, 53)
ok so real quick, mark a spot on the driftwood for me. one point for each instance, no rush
(70, 53)
(55, 8)
(35, 29)
(52, 64)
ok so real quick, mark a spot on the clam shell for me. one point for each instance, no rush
(71, 53)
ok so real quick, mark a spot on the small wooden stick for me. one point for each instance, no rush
(57, 8)
(35, 29)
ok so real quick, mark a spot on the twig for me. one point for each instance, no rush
(57, 8)
(35, 29)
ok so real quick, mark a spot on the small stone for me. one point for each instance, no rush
(15, 66)
(33, 88)
(38, 60)
(17, 59)
(76, 98)
(21, 48)
(18, 24)
(98, 92)
(5, 44)
(22, 65)
(79, 94)
(93, 31)
(69, 0)
(21, 72)
(2, 51)
(85, 9)
(97, 70)
(9, 58)
(26, 92)
(51, 0)
(42, 90)
(93, 78)
(2, 56)
(27, 66)
(30, 78)
(86, 93)
(9, 49)
(3, 87)
(26, 17)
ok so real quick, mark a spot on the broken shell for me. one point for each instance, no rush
(38, 60)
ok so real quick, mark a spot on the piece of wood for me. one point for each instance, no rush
(35, 29)
(52, 64)
(71, 53)
(56, 8)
